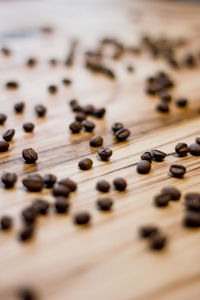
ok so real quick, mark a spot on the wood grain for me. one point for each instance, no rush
(107, 260)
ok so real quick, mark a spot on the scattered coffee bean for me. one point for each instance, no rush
(82, 218)
(5, 51)
(174, 193)
(181, 102)
(53, 62)
(147, 156)
(143, 167)
(192, 201)
(40, 110)
(40, 206)
(197, 140)
(105, 153)
(77, 108)
(88, 109)
(26, 293)
(6, 222)
(96, 141)
(162, 107)
(120, 184)
(66, 81)
(31, 62)
(26, 233)
(75, 127)
(71, 184)
(191, 219)
(12, 85)
(104, 204)
(61, 205)
(165, 96)
(30, 155)
(9, 179)
(28, 127)
(177, 170)
(88, 125)
(9, 134)
(194, 149)
(117, 126)
(29, 215)
(162, 200)
(146, 230)
(85, 164)
(49, 180)
(3, 146)
(3, 118)
(80, 116)
(182, 149)
(52, 89)
(130, 69)
(158, 155)
(19, 107)
(122, 134)
(73, 102)
(190, 60)
(99, 112)
(157, 241)
(61, 190)
(33, 183)
(103, 186)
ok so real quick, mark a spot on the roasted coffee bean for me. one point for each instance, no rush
(82, 218)
(182, 149)
(30, 155)
(130, 69)
(3, 146)
(146, 230)
(31, 62)
(117, 126)
(151, 90)
(77, 108)
(191, 219)
(19, 107)
(85, 164)
(181, 102)
(162, 107)
(165, 96)
(147, 156)
(162, 200)
(96, 141)
(71, 184)
(26, 293)
(12, 85)
(53, 62)
(49, 180)
(6, 222)
(174, 193)
(3, 118)
(192, 201)
(104, 204)
(66, 81)
(88, 109)
(194, 149)
(26, 233)
(28, 127)
(143, 167)
(99, 112)
(88, 125)
(158, 155)
(197, 140)
(177, 170)
(190, 60)
(6, 51)
(105, 153)
(103, 186)
(33, 183)
(120, 184)
(9, 134)
(157, 241)
(29, 215)
(52, 89)
(9, 179)
(75, 127)
(73, 102)
(80, 116)
(122, 134)
(40, 110)
(61, 190)
(61, 205)
(40, 206)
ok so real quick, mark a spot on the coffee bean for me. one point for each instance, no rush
(194, 149)
(30, 155)
(105, 153)
(29, 215)
(96, 141)
(120, 184)
(53, 62)
(73, 102)
(146, 230)
(26, 293)
(197, 140)
(85, 164)
(182, 149)
(88, 125)
(117, 126)
(3, 118)
(99, 112)
(19, 107)
(177, 170)
(12, 85)
(31, 62)
(5, 51)
(49, 180)
(6, 222)
(82, 218)
(61, 190)
(61, 205)
(165, 96)
(3, 146)
(192, 201)
(162, 200)
(40, 110)
(104, 204)
(147, 156)
(174, 193)
(77, 108)
(103, 186)
(9, 134)
(33, 183)
(88, 109)
(71, 184)
(75, 127)
(122, 134)
(52, 89)
(190, 60)
(143, 167)
(80, 116)
(181, 102)
(26, 233)
(66, 81)
(157, 241)
(9, 179)
(158, 155)
(28, 127)
(162, 107)
(130, 69)
(191, 219)
(40, 206)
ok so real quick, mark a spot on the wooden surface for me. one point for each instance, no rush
(107, 261)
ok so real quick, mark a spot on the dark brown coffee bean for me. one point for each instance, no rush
(88, 125)
(26, 293)
(40, 206)
(61, 205)
(9, 179)
(181, 102)
(6, 222)
(105, 153)
(61, 190)
(88, 109)
(19, 107)
(151, 90)
(162, 200)
(143, 167)
(146, 230)
(182, 149)
(191, 219)
(77, 108)
(52, 89)
(29, 215)
(96, 141)
(197, 140)
(80, 116)
(192, 201)
(158, 155)
(85, 164)
(194, 149)
(103, 186)
(177, 170)
(117, 126)
(157, 241)
(130, 69)
(104, 204)
(174, 193)
(120, 184)
(30, 155)
(162, 107)
(73, 102)
(71, 184)
(49, 180)
(26, 233)
(66, 81)
(147, 156)
(40, 110)
(53, 62)
(9, 134)
(6, 51)
(12, 85)
(33, 183)
(122, 134)
(75, 127)
(28, 127)
(31, 62)
(4, 146)
(3, 118)
(190, 60)
(99, 112)
(165, 96)
(82, 218)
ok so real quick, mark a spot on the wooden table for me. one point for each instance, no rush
(106, 261)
